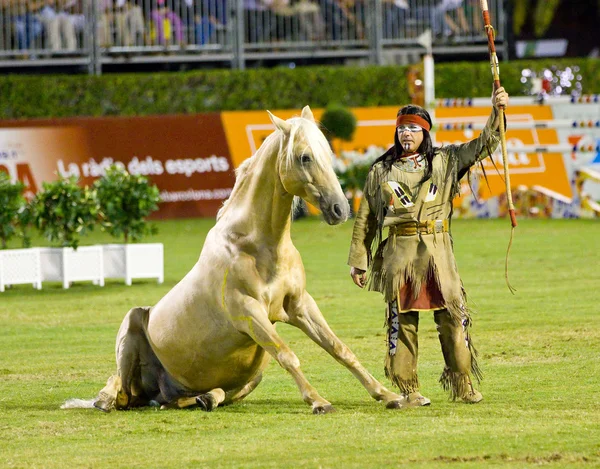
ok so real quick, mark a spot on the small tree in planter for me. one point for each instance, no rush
(12, 204)
(124, 201)
(63, 211)
(339, 122)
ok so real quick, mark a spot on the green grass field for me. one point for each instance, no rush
(539, 349)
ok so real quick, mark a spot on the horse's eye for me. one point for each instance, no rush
(305, 159)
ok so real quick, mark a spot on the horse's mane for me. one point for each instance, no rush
(313, 137)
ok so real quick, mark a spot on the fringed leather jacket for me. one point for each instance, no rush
(417, 213)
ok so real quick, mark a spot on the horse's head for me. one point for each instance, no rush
(305, 168)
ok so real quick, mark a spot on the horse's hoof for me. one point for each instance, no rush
(103, 406)
(205, 402)
(323, 409)
(396, 404)
(416, 399)
(104, 402)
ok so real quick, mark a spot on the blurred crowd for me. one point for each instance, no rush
(63, 25)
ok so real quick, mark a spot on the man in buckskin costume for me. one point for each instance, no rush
(409, 191)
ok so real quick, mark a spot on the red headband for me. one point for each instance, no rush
(413, 119)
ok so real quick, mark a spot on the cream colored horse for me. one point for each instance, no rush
(204, 343)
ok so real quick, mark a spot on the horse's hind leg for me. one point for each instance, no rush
(112, 396)
(206, 401)
(136, 381)
(238, 394)
(216, 397)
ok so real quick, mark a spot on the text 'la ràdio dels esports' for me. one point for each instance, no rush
(146, 167)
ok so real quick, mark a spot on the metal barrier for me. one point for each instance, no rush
(98, 32)
(36, 32)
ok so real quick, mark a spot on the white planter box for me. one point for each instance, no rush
(18, 266)
(87, 263)
(68, 265)
(129, 261)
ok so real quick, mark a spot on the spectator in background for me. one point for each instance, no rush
(340, 19)
(74, 11)
(26, 22)
(121, 23)
(355, 12)
(129, 23)
(205, 19)
(59, 26)
(444, 26)
(167, 25)
(311, 22)
(106, 21)
(472, 12)
(257, 15)
(395, 13)
(285, 22)
(6, 29)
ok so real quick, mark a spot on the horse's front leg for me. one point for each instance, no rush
(306, 315)
(251, 318)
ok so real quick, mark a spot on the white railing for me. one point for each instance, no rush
(88, 263)
(97, 32)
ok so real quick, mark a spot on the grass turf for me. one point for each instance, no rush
(539, 350)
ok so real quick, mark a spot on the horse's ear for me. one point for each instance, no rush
(307, 113)
(280, 123)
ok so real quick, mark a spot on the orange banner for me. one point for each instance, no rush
(375, 127)
(526, 169)
(187, 157)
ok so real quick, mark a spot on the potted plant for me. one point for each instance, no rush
(338, 122)
(63, 212)
(17, 266)
(124, 202)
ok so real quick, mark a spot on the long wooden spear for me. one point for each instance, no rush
(489, 29)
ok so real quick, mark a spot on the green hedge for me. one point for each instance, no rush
(278, 88)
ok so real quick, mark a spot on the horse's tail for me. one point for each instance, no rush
(78, 404)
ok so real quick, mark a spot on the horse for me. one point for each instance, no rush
(207, 342)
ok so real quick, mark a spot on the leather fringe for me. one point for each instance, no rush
(406, 386)
(475, 368)
(458, 384)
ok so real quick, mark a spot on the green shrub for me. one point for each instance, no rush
(338, 121)
(124, 202)
(275, 88)
(12, 203)
(63, 211)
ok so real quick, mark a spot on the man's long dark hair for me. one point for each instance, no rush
(426, 148)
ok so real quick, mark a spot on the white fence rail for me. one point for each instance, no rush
(87, 263)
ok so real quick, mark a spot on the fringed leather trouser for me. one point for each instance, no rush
(458, 351)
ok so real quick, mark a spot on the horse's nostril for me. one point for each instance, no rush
(337, 210)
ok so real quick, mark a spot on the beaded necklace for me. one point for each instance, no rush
(414, 163)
